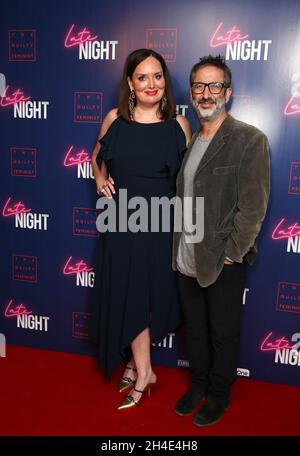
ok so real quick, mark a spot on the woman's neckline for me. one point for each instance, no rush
(148, 123)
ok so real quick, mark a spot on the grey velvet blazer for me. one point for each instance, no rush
(234, 179)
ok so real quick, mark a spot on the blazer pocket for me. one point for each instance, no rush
(221, 170)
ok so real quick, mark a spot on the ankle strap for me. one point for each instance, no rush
(138, 391)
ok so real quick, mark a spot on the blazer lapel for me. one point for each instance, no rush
(216, 143)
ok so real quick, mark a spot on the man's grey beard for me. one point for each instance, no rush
(209, 114)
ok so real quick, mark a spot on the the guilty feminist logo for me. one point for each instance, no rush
(24, 107)
(288, 297)
(88, 45)
(88, 107)
(81, 322)
(22, 45)
(24, 217)
(81, 160)
(164, 41)
(241, 106)
(23, 162)
(238, 44)
(24, 268)
(84, 221)
(294, 184)
(81, 271)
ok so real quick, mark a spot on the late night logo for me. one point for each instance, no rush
(167, 342)
(22, 45)
(16, 310)
(81, 322)
(24, 317)
(293, 105)
(25, 218)
(285, 351)
(84, 275)
(238, 45)
(288, 297)
(181, 109)
(24, 268)
(89, 48)
(88, 107)
(23, 107)
(84, 221)
(164, 41)
(246, 291)
(23, 161)
(289, 231)
(81, 160)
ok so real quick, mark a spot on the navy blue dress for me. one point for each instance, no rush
(135, 287)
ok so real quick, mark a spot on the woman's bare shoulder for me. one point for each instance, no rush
(110, 117)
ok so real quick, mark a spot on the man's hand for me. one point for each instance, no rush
(226, 261)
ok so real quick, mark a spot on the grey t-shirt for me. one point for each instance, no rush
(185, 257)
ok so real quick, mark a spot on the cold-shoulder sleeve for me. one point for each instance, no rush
(107, 143)
(177, 149)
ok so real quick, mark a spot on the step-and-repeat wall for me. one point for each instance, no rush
(60, 65)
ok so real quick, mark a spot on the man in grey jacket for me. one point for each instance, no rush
(227, 163)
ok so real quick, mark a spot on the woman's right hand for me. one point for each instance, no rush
(107, 188)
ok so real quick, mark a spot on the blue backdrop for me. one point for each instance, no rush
(60, 67)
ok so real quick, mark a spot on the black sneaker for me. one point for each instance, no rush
(211, 412)
(189, 402)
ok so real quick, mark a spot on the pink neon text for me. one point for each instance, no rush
(81, 157)
(278, 344)
(18, 310)
(16, 97)
(83, 36)
(18, 208)
(290, 231)
(230, 36)
(80, 266)
(292, 107)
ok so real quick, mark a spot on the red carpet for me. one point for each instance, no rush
(51, 393)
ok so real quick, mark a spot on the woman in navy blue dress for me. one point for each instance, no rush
(140, 149)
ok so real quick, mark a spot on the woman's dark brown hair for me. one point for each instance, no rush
(132, 61)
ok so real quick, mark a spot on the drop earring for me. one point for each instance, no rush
(131, 104)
